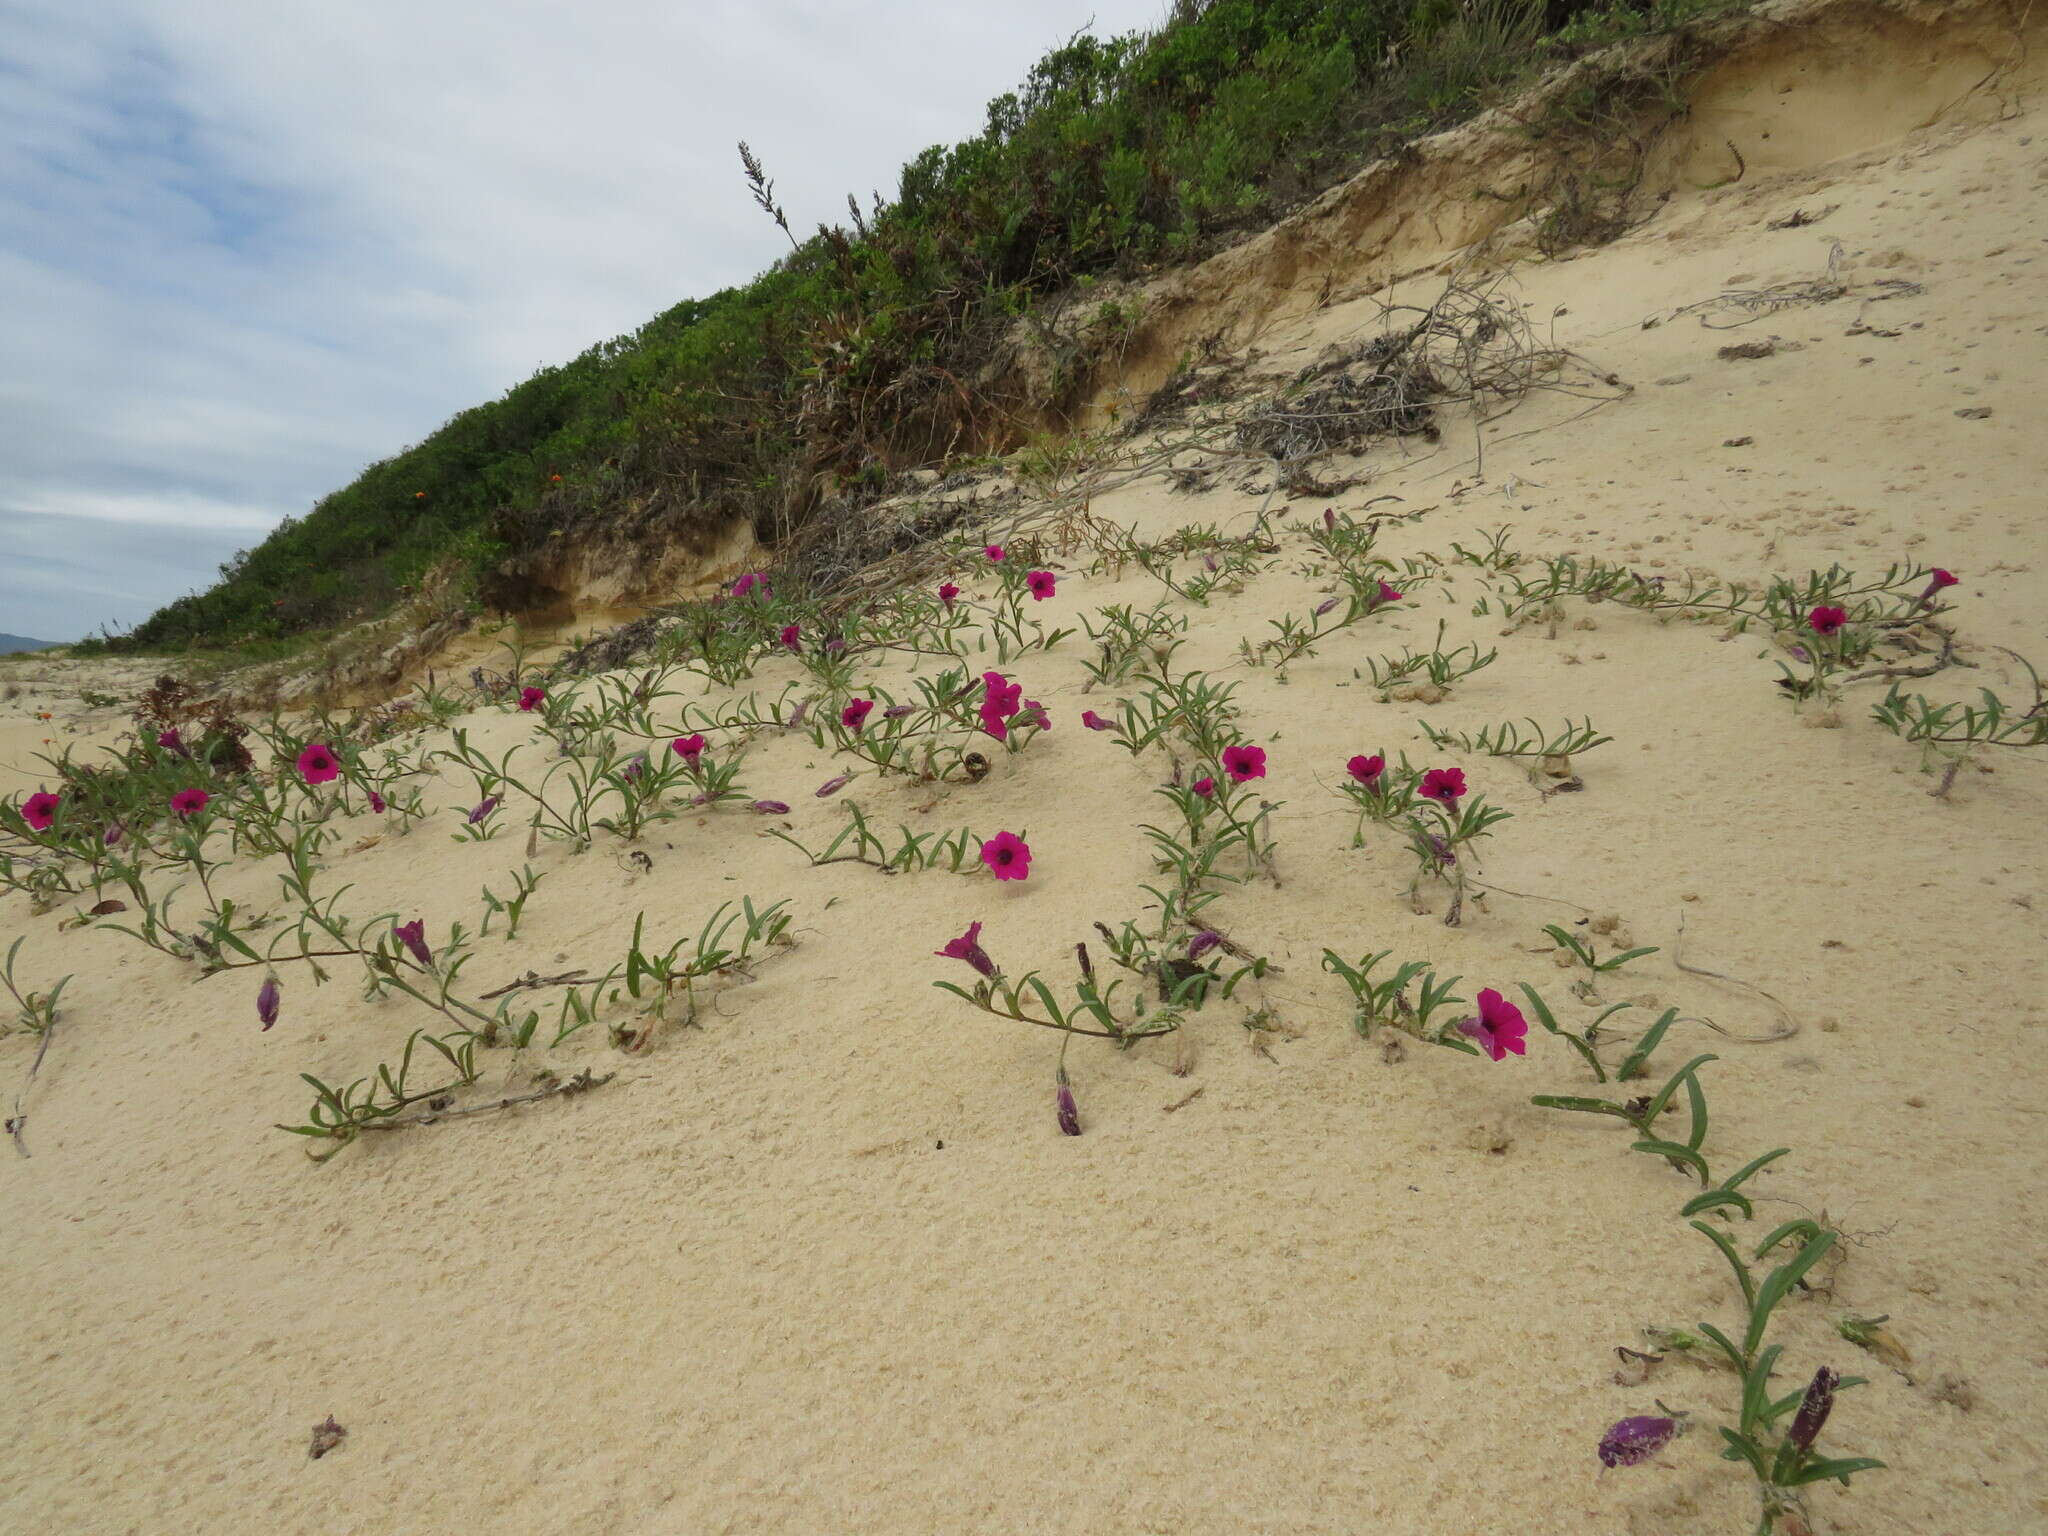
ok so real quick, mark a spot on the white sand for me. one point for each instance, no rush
(744, 1288)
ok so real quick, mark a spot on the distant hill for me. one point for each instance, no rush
(9, 644)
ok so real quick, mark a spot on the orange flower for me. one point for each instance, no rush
(419, 495)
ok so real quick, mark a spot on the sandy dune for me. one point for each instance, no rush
(826, 1262)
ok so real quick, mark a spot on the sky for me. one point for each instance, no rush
(248, 247)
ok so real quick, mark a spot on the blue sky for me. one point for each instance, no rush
(247, 248)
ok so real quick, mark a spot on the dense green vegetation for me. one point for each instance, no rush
(860, 353)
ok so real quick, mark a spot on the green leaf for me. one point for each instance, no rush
(1584, 1106)
(1842, 1467)
(1639, 1058)
(1678, 1152)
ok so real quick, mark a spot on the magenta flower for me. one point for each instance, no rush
(376, 802)
(994, 552)
(1007, 856)
(1001, 699)
(1042, 584)
(1330, 518)
(968, 947)
(1825, 621)
(479, 812)
(1367, 770)
(1386, 594)
(1935, 582)
(318, 764)
(752, 581)
(1244, 763)
(1064, 1106)
(413, 936)
(1635, 1440)
(267, 998)
(1204, 787)
(769, 808)
(1095, 722)
(530, 699)
(1443, 784)
(832, 786)
(855, 713)
(171, 741)
(190, 802)
(1500, 1028)
(791, 636)
(688, 748)
(947, 592)
(40, 809)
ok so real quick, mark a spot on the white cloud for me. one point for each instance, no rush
(247, 247)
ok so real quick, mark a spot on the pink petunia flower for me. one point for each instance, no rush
(1445, 785)
(1244, 763)
(376, 802)
(688, 748)
(171, 741)
(1203, 942)
(1825, 621)
(413, 936)
(752, 581)
(947, 592)
(994, 552)
(968, 947)
(1386, 594)
(1095, 722)
(1042, 585)
(854, 713)
(1033, 713)
(1500, 1028)
(190, 802)
(318, 764)
(1204, 787)
(1007, 856)
(791, 637)
(1936, 580)
(267, 998)
(40, 809)
(1367, 770)
(530, 699)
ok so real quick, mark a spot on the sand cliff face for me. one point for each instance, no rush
(824, 1261)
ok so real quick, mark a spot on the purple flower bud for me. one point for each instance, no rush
(796, 716)
(1799, 653)
(769, 808)
(1203, 942)
(1325, 607)
(1208, 562)
(1813, 1409)
(1087, 965)
(111, 838)
(833, 786)
(489, 805)
(267, 998)
(413, 936)
(1069, 1112)
(1635, 1440)
(835, 646)
(1330, 518)
(896, 711)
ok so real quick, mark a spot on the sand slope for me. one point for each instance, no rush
(826, 1263)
